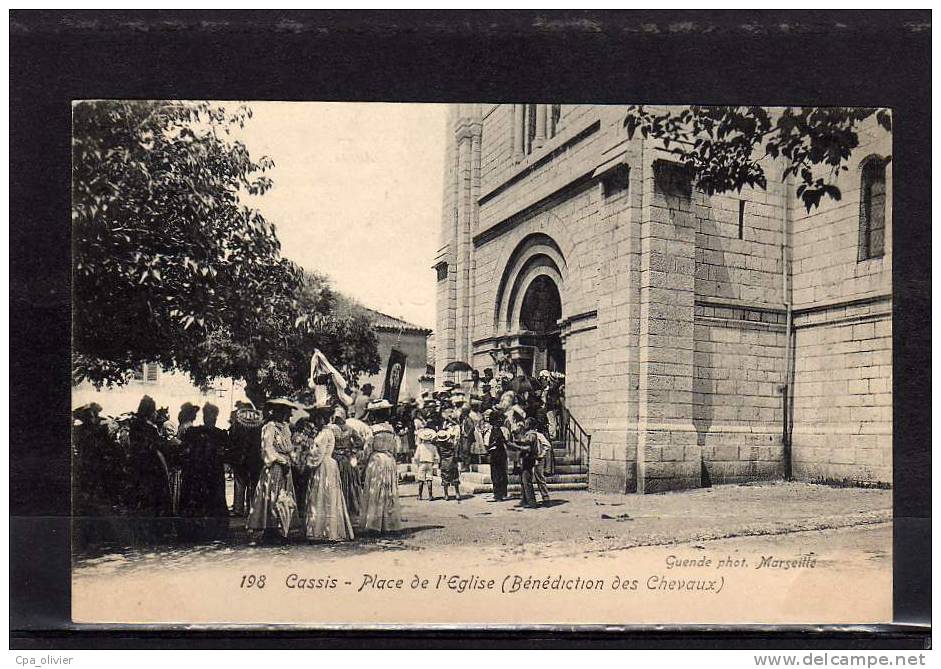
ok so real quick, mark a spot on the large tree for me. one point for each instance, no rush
(170, 267)
(272, 351)
(724, 147)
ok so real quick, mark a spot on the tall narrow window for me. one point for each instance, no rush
(741, 219)
(555, 119)
(872, 210)
(530, 127)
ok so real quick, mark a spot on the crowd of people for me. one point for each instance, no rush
(507, 422)
(311, 471)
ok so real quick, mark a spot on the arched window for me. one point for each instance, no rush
(872, 209)
(542, 306)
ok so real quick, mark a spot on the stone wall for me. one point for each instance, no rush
(740, 333)
(738, 404)
(445, 262)
(842, 424)
(674, 310)
(553, 192)
(843, 394)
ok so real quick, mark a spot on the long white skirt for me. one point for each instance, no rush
(326, 517)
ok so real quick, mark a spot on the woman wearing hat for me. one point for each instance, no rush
(347, 442)
(149, 485)
(326, 517)
(186, 418)
(203, 513)
(425, 458)
(97, 466)
(380, 484)
(274, 507)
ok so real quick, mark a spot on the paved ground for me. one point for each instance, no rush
(839, 539)
(573, 523)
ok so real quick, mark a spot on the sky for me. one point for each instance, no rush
(357, 195)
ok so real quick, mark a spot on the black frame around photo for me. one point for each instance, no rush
(871, 58)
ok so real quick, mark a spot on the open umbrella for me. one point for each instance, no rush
(457, 366)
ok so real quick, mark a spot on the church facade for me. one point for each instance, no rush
(704, 339)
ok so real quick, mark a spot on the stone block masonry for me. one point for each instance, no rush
(674, 327)
(843, 394)
(738, 404)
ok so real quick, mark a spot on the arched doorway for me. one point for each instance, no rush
(540, 311)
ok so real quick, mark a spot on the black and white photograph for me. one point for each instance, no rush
(612, 357)
(518, 329)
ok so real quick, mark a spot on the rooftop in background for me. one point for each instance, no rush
(383, 321)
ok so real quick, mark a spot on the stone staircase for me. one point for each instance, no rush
(567, 475)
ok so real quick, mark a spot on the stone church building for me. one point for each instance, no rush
(705, 340)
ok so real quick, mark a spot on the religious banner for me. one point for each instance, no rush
(395, 376)
(322, 373)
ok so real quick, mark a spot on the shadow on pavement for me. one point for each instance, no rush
(404, 533)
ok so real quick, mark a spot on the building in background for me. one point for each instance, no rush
(169, 389)
(172, 389)
(704, 339)
(410, 339)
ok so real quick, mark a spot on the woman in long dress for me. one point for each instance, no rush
(274, 508)
(326, 515)
(203, 513)
(186, 419)
(496, 448)
(347, 445)
(380, 511)
(149, 484)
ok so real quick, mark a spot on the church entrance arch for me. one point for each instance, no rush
(540, 312)
(530, 302)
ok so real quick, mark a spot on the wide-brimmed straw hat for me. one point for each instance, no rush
(442, 435)
(87, 411)
(378, 405)
(426, 434)
(319, 408)
(282, 402)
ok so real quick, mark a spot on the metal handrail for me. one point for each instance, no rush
(575, 439)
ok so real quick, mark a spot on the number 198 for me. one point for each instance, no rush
(252, 581)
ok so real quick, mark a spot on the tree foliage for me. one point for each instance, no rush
(170, 267)
(724, 146)
(272, 352)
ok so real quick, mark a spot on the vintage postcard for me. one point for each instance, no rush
(371, 364)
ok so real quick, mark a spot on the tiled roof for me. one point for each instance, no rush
(382, 321)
